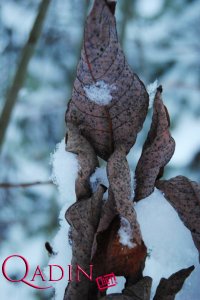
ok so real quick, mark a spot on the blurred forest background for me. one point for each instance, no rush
(161, 41)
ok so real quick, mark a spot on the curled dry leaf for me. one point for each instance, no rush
(157, 150)
(168, 288)
(139, 291)
(87, 159)
(109, 102)
(184, 196)
(108, 214)
(83, 216)
(111, 255)
(108, 107)
(120, 184)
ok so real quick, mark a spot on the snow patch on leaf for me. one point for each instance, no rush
(169, 242)
(125, 233)
(151, 89)
(100, 92)
(64, 174)
(99, 177)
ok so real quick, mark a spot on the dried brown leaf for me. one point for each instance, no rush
(157, 150)
(87, 159)
(108, 214)
(168, 288)
(120, 185)
(102, 60)
(111, 255)
(83, 216)
(139, 291)
(184, 196)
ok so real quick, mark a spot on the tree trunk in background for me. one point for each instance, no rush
(20, 74)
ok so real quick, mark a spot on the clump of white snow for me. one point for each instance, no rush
(125, 233)
(169, 242)
(151, 89)
(99, 177)
(62, 258)
(100, 92)
(65, 170)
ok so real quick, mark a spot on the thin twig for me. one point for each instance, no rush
(20, 74)
(8, 185)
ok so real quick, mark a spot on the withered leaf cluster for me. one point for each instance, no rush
(109, 131)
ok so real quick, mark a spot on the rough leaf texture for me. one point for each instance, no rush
(107, 130)
(119, 183)
(87, 158)
(168, 288)
(107, 110)
(184, 196)
(157, 150)
(83, 216)
(102, 60)
(111, 256)
(139, 291)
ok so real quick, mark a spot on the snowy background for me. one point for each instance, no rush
(161, 41)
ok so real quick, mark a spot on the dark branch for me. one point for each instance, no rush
(8, 185)
(20, 74)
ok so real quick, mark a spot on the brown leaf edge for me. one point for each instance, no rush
(157, 150)
(168, 288)
(83, 217)
(139, 291)
(108, 253)
(87, 159)
(184, 195)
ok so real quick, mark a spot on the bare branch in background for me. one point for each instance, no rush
(20, 74)
(5, 185)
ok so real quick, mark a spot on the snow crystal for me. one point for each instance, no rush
(125, 233)
(170, 244)
(100, 92)
(151, 89)
(65, 170)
